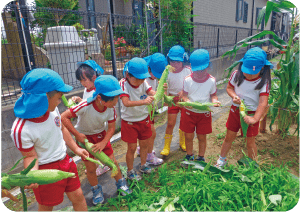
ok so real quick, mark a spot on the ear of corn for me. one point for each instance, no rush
(197, 105)
(41, 177)
(67, 103)
(102, 157)
(169, 100)
(243, 113)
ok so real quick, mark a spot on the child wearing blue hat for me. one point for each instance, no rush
(93, 114)
(135, 123)
(39, 134)
(201, 87)
(156, 66)
(251, 82)
(176, 57)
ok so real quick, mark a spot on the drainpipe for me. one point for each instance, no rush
(252, 17)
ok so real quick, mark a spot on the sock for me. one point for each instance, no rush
(95, 187)
(222, 158)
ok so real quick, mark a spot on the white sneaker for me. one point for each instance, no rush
(221, 163)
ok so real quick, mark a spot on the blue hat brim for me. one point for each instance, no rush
(156, 74)
(142, 75)
(65, 89)
(200, 68)
(30, 106)
(257, 69)
(111, 93)
(176, 58)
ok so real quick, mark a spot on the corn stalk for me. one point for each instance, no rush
(284, 101)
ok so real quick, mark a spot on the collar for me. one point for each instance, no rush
(41, 118)
(131, 84)
(92, 89)
(97, 109)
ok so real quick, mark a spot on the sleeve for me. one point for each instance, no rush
(78, 109)
(20, 136)
(122, 84)
(265, 90)
(112, 116)
(147, 87)
(185, 87)
(213, 90)
(231, 79)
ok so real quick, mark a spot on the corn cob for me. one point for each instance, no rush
(197, 105)
(102, 157)
(67, 103)
(169, 100)
(243, 113)
(41, 177)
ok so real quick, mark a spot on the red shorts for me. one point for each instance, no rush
(189, 120)
(53, 194)
(174, 109)
(96, 138)
(234, 124)
(131, 131)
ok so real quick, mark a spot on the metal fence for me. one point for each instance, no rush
(31, 38)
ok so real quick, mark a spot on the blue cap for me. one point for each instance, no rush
(176, 53)
(93, 65)
(199, 59)
(35, 84)
(107, 85)
(254, 60)
(157, 63)
(137, 67)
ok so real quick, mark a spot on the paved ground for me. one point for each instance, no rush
(108, 183)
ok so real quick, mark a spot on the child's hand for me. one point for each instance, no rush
(236, 100)
(76, 99)
(148, 100)
(217, 103)
(98, 147)
(250, 120)
(82, 152)
(32, 186)
(80, 137)
(165, 85)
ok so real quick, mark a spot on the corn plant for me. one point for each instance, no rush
(284, 101)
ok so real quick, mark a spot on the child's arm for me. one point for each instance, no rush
(235, 98)
(128, 103)
(214, 99)
(151, 92)
(72, 144)
(109, 133)
(29, 157)
(66, 120)
(263, 103)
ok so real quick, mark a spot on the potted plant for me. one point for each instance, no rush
(120, 45)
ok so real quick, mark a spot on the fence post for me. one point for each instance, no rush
(236, 34)
(218, 38)
(161, 37)
(112, 44)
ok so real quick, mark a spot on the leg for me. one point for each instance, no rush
(91, 173)
(143, 150)
(189, 143)
(263, 125)
(171, 123)
(229, 138)
(202, 144)
(131, 148)
(119, 175)
(77, 199)
(151, 139)
(251, 147)
(45, 208)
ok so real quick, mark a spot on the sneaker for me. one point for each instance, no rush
(132, 175)
(98, 197)
(101, 170)
(189, 157)
(153, 160)
(200, 158)
(138, 151)
(122, 185)
(221, 163)
(145, 169)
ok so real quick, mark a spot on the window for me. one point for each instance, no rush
(239, 10)
(245, 12)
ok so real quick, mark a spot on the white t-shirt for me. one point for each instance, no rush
(88, 93)
(43, 134)
(175, 80)
(137, 113)
(90, 119)
(153, 83)
(246, 91)
(199, 92)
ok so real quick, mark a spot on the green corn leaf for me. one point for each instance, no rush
(261, 15)
(275, 198)
(64, 100)
(229, 69)
(295, 73)
(24, 199)
(16, 164)
(31, 165)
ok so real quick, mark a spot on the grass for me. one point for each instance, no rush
(177, 188)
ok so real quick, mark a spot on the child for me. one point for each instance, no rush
(200, 86)
(92, 115)
(134, 113)
(251, 82)
(86, 73)
(38, 133)
(176, 57)
(156, 66)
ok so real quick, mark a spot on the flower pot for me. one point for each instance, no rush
(121, 51)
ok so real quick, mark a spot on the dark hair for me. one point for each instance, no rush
(88, 70)
(265, 75)
(106, 98)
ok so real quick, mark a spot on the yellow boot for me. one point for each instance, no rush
(166, 150)
(182, 140)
